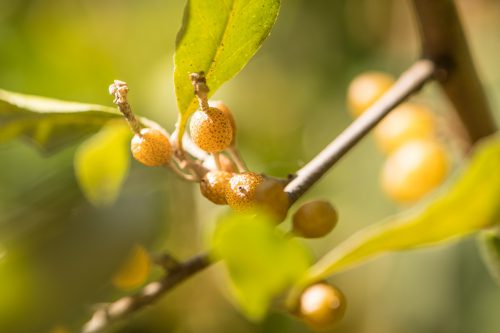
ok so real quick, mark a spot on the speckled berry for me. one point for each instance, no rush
(211, 130)
(314, 219)
(151, 147)
(213, 186)
(240, 194)
(322, 305)
(271, 197)
(224, 108)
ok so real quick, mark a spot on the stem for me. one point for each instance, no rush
(236, 158)
(120, 309)
(119, 90)
(443, 41)
(408, 83)
(216, 157)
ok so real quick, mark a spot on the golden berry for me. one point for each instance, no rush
(314, 219)
(365, 89)
(151, 147)
(211, 130)
(224, 108)
(413, 170)
(407, 122)
(322, 305)
(134, 270)
(213, 186)
(240, 194)
(271, 197)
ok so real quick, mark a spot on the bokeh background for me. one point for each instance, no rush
(58, 252)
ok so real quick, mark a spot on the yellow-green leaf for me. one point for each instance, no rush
(470, 204)
(218, 37)
(260, 259)
(102, 163)
(49, 123)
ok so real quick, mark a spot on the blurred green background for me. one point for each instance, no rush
(57, 252)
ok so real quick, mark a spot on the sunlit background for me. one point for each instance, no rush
(57, 252)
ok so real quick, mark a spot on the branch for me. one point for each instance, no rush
(107, 315)
(443, 41)
(408, 83)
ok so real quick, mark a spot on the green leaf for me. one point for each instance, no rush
(218, 37)
(102, 163)
(260, 259)
(489, 245)
(470, 204)
(49, 123)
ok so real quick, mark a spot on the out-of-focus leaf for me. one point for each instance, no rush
(218, 37)
(102, 163)
(470, 204)
(489, 244)
(49, 123)
(260, 259)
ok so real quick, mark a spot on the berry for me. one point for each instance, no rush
(365, 89)
(314, 219)
(224, 108)
(211, 130)
(134, 270)
(413, 170)
(240, 194)
(151, 147)
(322, 305)
(271, 197)
(213, 186)
(407, 122)
(225, 163)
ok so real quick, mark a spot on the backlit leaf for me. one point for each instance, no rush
(102, 163)
(49, 123)
(470, 204)
(218, 37)
(260, 259)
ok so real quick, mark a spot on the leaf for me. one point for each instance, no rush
(102, 163)
(218, 37)
(49, 123)
(260, 259)
(489, 245)
(470, 204)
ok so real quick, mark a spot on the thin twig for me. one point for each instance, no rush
(102, 318)
(408, 83)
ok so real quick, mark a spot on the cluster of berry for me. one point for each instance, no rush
(417, 159)
(224, 180)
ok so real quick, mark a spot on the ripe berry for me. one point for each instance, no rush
(314, 219)
(365, 89)
(407, 122)
(240, 194)
(211, 130)
(271, 197)
(225, 163)
(224, 108)
(151, 147)
(213, 186)
(413, 170)
(134, 270)
(322, 305)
